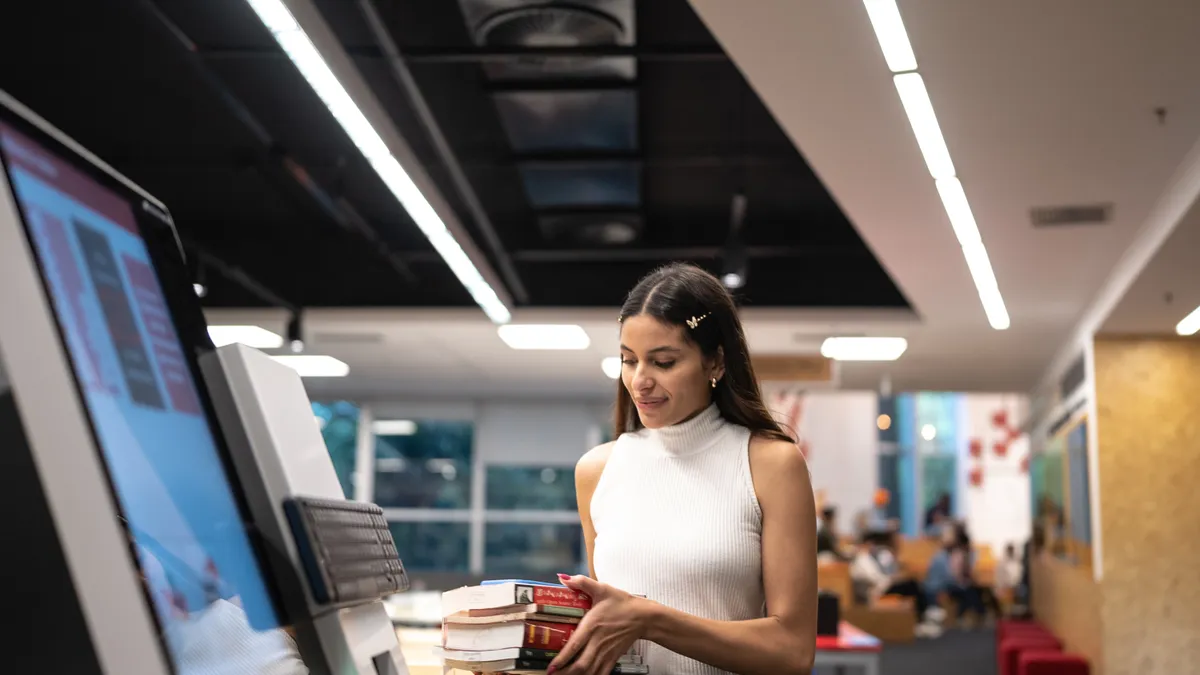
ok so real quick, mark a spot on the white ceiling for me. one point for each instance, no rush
(1167, 290)
(1041, 104)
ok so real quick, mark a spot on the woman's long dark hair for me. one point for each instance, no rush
(678, 292)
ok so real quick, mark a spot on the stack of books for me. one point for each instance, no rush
(515, 626)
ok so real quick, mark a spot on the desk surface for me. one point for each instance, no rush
(849, 639)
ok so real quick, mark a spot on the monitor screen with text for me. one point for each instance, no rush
(136, 380)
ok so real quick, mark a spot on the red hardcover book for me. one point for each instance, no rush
(543, 635)
(511, 593)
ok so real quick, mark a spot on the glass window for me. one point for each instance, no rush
(430, 546)
(889, 479)
(339, 427)
(524, 487)
(1048, 474)
(533, 550)
(1079, 510)
(426, 464)
(939, 477)
(937, 422)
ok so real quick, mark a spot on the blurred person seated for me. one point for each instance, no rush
(938, 517)
(950, 572)
(1010, 575)
(875, 573)
(829, 546)
(939, 527)
(1009, 570)
(877, 519)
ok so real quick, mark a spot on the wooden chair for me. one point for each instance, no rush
(891, 619)
(834, 577)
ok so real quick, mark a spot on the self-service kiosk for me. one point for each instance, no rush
(171, 508)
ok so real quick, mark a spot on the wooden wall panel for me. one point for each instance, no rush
(1148, 405)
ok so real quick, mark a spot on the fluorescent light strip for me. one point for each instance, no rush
(893, 39)
(544, 336)
(954, 200)
(1190, 323)
(314, 365)
(863, 348)
(924, 123)
(394, 427)
(611, 365)
(304, 54)
(985, 284)
(251, 336)
(897, 51)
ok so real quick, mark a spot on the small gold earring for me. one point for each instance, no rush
(713, 382)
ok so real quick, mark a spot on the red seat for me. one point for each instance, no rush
(1003, 624)
(1021, 631)
(1013, 646)
(1006, 626)
(1051, 662)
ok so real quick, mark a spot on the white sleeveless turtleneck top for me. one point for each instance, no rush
(677, 521)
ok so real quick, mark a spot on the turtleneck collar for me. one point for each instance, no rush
(692, 435)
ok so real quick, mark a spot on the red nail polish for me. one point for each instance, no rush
(551, 669)
(564, 577)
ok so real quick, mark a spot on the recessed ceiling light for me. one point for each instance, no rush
(251, 336)
(893, 39)
(929, 432)
(863, 348)
(1190, 323)
(611, 365)
(314, 365)
(394, 427)
(544, 336)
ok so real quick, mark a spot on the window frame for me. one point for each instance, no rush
(477, 514)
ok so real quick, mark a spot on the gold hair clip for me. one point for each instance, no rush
(695, 320)
(620, 319)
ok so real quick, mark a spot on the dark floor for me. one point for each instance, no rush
(955, 653)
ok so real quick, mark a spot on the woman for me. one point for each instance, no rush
(937, 516)
(950, 571)
(702, 505)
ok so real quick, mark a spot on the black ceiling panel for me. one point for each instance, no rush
(609, 185)
(601, 138)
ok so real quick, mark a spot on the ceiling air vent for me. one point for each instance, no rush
(1085, 214)
(550, 25)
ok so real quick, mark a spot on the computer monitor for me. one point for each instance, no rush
(98, 337)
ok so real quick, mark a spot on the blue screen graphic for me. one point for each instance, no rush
(156, 441)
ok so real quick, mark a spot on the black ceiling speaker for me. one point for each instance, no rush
(549, 25)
